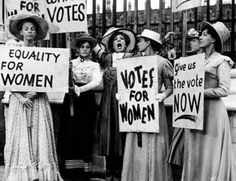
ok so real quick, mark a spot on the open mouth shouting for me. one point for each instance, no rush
(119, 47)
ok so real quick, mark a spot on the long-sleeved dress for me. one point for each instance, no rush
(208, 153)
(30, 151)
(76, 132)
(148, 162)
(111, 141)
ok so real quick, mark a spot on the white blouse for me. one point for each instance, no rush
(86, 72)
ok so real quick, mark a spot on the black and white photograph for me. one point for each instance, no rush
(117, 90)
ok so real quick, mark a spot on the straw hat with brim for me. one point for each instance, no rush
(106, 38)
(15, 25)
(84, 37)
(221, 30)
(152, 35)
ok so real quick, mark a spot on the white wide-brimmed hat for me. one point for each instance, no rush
(221, 30)
(84, 37)
(156, 37)
(106, 38)
(15, 25)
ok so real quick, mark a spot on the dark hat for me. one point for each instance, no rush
(86, 37)
(15, 25)
(221, 30)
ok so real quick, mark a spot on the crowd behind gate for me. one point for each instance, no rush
(31, 152)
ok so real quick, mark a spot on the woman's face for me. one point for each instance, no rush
(142, 44)
(28, 31)
(119, 44)
(195, 44)
(206, 39)
(84, 50)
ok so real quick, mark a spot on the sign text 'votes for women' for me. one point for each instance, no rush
(137, 87)
(34, 69)
(189, 92)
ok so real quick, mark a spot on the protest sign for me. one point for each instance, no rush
(34, 69)
(62, 16)
(67, 15)
(137, 86)
(180, 5)
(25, 6)
(189, 92)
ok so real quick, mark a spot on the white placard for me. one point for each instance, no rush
(34, 69)
(67, 15)
(62, 15)
(137, 87)
(188, 96)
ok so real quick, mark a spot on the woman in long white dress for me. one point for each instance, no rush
(145, 153)
(30, 152)
(208, 154)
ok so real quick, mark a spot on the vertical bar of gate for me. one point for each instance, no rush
(220, 10)
(114, 13)
(148, 13)
(171, 21)
(125, 13)
(160, 18)
(135, 16)
(184, 32)
(104, 17)
(232, 28)
(94, 19)
(195, 17)
(208, 10)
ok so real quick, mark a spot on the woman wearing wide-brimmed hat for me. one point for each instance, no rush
(208, 153)
(30, 152)
(119, 43)
(145, 153)
(76, 131)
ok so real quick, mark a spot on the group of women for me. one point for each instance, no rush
(30, 152)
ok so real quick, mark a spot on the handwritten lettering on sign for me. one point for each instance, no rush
(25, 6)
(67, 15)
(137, 87)
(34, 69)
(189, 92)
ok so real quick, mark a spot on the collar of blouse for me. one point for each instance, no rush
(81, 59)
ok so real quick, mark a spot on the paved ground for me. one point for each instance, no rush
(1, 172)
(176, 173)
(98, 171)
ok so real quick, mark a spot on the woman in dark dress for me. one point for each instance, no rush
(119, 43)
(76, 131)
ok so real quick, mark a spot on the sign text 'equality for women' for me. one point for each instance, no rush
(137, 87)
(33, 69)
